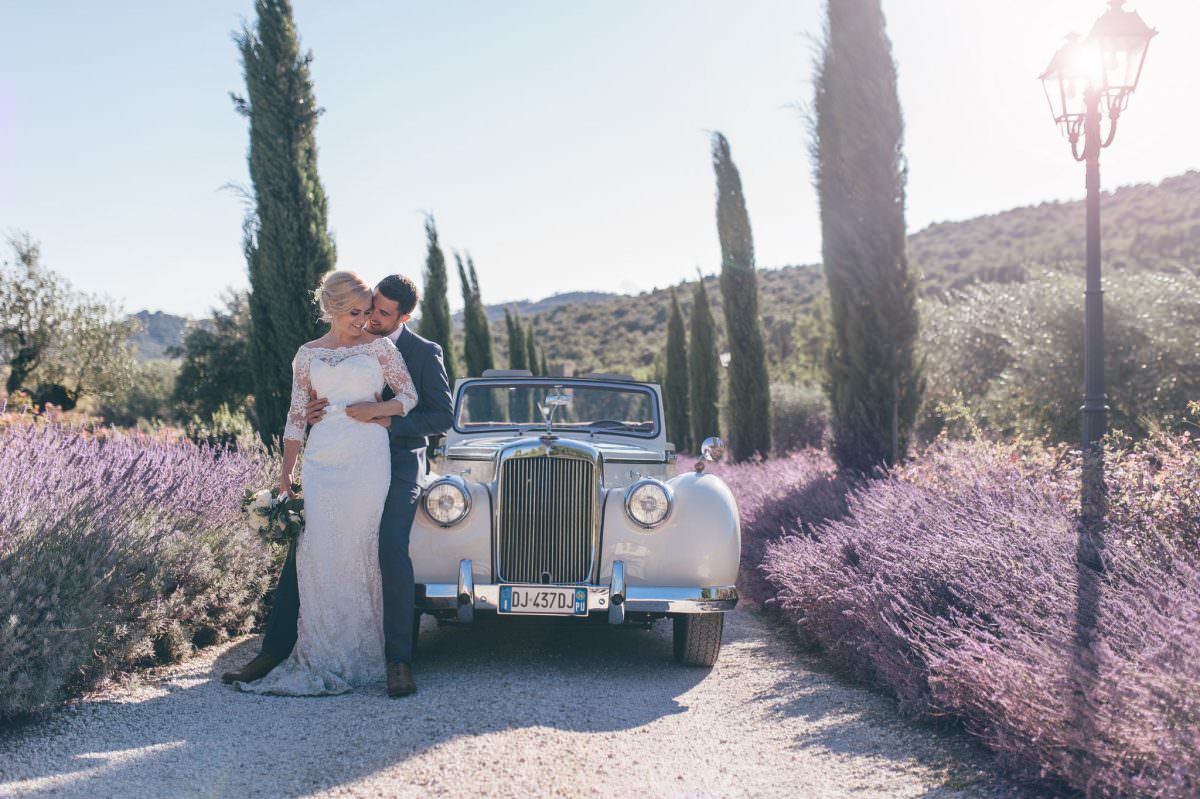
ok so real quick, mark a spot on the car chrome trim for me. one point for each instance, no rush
(487, 452)
(462, 453)
(650, 457)
(466, 591)
(551, 383)
(432, 597)
(715, 599)
(666, 490)
(616, 594)
(462, 487)
(521, 543)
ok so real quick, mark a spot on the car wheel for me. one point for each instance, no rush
(416, 629)
(697, 638)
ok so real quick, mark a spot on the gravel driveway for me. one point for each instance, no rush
(527, 709)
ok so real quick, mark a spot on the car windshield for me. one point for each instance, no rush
(495, 405)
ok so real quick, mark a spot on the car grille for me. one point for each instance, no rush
(547, 520)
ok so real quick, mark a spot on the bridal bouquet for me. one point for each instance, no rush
(278, 519)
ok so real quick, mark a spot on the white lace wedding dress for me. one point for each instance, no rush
(347, 472)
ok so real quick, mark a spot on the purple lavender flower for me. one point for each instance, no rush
(952, 583)
(117, 549)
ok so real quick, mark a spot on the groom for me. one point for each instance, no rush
(394, 301)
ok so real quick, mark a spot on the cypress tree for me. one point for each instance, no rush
(873, 380)
(517, 353)
(436, 322)
(477, 334)
(543, 369)
(749, 387)
(477, 340)
(286, 239)
(484, 325)
(675, 388)
(521, 402)
(531, 349)
(704, 368)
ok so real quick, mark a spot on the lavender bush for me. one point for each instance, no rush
(117, 549)
(774, 497)
(952, 583)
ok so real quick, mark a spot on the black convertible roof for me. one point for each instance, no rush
(620, 378)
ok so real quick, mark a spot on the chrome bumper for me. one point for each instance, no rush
(615, 599)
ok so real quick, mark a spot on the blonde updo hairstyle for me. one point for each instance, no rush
(338, 293)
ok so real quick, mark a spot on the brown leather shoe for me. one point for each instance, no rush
(254, 670)
(400, 680)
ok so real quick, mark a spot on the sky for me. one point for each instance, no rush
(565, 145)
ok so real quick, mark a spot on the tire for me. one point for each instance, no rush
(697, 638)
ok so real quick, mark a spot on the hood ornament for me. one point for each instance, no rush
(553, 402)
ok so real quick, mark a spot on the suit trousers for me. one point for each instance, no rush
(395, 566)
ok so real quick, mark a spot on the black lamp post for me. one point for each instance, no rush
(1088, 79)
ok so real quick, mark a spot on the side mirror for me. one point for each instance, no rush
(711, 451)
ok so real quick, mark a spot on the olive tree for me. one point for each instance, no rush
(1009, 356)
(60, 343)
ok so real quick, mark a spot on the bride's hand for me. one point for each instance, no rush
(363, 411)
(285, 487)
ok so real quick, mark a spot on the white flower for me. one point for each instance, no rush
(262, 500)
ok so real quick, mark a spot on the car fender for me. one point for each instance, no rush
(436, 550)
(699, 544)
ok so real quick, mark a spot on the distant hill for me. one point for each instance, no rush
(160, 331)
(530, 307)
(624, 333)
(1150, 227)
(1143, 227)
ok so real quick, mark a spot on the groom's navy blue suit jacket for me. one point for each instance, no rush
(434, 412)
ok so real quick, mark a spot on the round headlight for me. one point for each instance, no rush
(648, 502)
(448, 501)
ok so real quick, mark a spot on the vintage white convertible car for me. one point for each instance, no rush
(557, 496)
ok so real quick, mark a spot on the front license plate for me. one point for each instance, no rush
(543, 600)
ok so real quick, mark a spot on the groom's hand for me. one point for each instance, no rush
(315, 410)
(383, 421)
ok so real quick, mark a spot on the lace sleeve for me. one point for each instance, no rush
(297, 418)
(395, 372)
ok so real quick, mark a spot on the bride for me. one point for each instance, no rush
(347, 472)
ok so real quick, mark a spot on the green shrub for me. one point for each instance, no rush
(147, 396)
(1012, 354)
(799, 417)
(226, 428)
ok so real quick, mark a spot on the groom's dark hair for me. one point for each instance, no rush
(400, 290)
